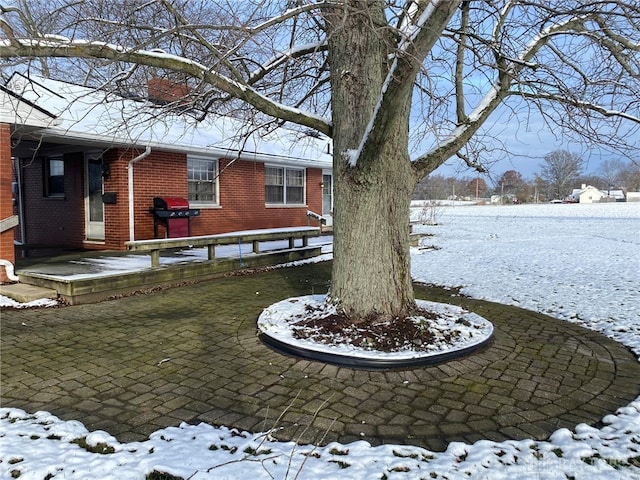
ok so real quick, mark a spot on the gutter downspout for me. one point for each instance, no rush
(144, 154)
(9, 270)
(21, 213)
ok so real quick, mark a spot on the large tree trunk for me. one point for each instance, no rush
(371, 267)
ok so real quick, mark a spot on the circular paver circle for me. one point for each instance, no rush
(134, 365)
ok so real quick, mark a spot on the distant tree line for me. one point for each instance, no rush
(561, 172)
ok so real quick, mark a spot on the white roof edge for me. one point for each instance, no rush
(53, 133)
(17, 112)
(82, 115)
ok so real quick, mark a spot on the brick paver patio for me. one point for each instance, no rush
(134, 365)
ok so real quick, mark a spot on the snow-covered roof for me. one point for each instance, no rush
(615, 193)
(15, 110)
(591, 189)
(588, 188)
(87, 115)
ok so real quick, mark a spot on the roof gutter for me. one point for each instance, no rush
(144, 154)
(53, 134)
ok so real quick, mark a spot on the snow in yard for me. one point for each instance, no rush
(579, 263)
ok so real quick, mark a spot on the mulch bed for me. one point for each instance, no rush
(396, 334)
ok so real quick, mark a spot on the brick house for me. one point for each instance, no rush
(80, 169)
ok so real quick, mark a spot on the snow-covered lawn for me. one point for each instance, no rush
(576, 262)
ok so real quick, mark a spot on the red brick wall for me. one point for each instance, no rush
(116, 214)
(161, 174)
(241, 191)
(242, 204)
(314, 192)
(7, 250)
(52, 220)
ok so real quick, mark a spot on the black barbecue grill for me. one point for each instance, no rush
(174, 213)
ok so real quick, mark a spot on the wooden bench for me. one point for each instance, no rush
(155, 246)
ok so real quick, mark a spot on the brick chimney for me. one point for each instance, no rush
(163, 91)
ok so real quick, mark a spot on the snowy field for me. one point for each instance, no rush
(579, 263)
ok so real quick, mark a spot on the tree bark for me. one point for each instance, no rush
(371, 266)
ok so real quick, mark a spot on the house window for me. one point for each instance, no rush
(202, 179)
(284, 185)
(54, 176)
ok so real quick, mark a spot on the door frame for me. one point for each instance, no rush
(327, 195)
(94, 229)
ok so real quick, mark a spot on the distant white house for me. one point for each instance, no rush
(633, 196)
(506, 198)
(590, 194)
(616, 195)
(587, 194)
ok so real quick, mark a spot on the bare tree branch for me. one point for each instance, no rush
(80, 49)
(508, 70)
(429, 20)
(459, 75)
(506, 57)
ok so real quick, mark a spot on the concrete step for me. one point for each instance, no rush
(24, 293)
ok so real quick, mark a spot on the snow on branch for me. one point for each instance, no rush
(283, 57)
(571, 25)
(508, 68)
(410, 29)
(286, 15)
(504, 13)
(57, 47)
(605, 112)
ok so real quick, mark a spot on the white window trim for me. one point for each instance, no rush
(216, 183)
(304, 187)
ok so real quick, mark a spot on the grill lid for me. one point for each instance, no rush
(170, 203)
